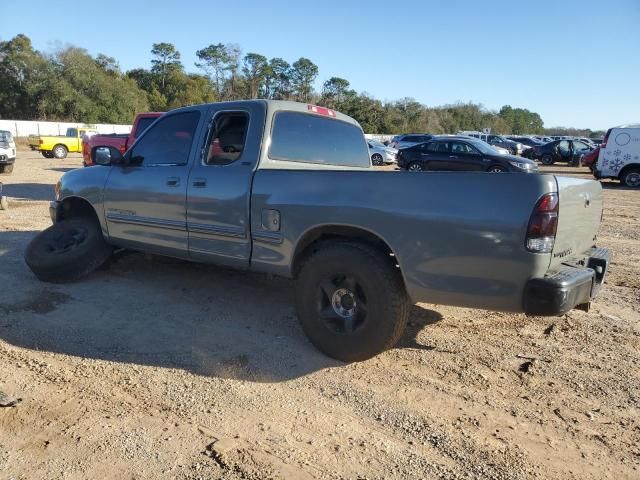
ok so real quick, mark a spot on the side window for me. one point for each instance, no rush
(580, 146)
(563, 146)
(227, 136)
(309, 138)
(459, 147)
(72, 132)
(168, 142)
(411, 138)
(143, 124)
(436, 147)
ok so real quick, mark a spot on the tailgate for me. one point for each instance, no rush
(579, 217)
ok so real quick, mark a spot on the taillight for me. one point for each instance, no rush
(604, 140)
(41, 141)
(541, 232)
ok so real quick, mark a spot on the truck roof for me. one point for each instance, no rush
(278, 105)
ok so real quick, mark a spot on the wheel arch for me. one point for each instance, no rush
(628, 167)
(74, 207)
(314, 237)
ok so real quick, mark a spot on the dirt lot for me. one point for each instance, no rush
(137, 370)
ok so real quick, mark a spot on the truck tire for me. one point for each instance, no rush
(67, 250)
(60, 151)
(46, 154)
(351, 301)
(631, 177)
(547, 159)
(7, 168)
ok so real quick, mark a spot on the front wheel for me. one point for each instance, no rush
(67, 250)
(376, 159)
(415, 167)
(60, 151)
(351, 301)
(631, 178)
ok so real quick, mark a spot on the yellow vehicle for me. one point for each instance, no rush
(60, 146)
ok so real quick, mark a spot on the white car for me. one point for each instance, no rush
(409, 140)
(619, 156)
(7, 152)
(380, 153)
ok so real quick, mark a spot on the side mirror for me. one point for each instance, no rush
(106, 156)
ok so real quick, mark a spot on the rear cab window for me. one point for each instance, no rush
(308, 138)
(143, 124)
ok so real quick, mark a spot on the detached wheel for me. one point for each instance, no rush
(351, 301)
(376, 159)
(547, 159)
(60, 151)
(631, 178)
(68, 250)
(46, 154)
(415, 167)
(496, 169)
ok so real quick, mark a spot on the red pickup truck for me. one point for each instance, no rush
(120, 141)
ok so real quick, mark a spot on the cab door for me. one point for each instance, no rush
(219, 186)
(145, 199)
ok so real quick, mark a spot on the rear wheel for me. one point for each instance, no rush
(415, 167)
(496, 169)
(631, 177)
(376, 159)
(8, 168)
(60, 151)
(351, 301)
(547, 159)
(68, 250)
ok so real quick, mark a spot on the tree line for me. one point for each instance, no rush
(72, 85)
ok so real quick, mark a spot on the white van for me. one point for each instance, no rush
(620, 155)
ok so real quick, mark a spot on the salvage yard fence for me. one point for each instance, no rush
(24, 128)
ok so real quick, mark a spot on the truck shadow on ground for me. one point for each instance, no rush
(28, 191)
(167, 313)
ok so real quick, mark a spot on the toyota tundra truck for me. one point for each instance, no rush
(288, 189)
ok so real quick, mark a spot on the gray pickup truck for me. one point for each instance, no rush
(287, 188)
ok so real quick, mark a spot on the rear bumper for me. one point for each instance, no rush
(569, 287)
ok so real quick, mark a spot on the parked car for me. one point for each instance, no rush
(404, 141)
(121, 141)
(542, 138)
(7, 151)
(460, 154)
(60, 146)
(525, 141)
(619, 156)
(597, 141)
(558, 151)
(361, 244)
(381, 154)
(589, 159)
(514, 148)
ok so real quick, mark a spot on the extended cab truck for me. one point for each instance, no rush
(120, 141)
(60, 146)
(287, 188)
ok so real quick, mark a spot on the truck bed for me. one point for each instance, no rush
(447, 244)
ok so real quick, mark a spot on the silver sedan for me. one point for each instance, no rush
(381, 154)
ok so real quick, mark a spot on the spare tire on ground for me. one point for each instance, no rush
(68, 250)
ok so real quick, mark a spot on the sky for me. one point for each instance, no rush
(576, 63)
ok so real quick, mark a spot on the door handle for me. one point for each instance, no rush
(173, 181)
(200, 182)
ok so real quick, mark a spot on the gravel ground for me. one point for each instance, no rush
(161, 369)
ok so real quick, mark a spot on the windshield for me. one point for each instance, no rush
(5, 136)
